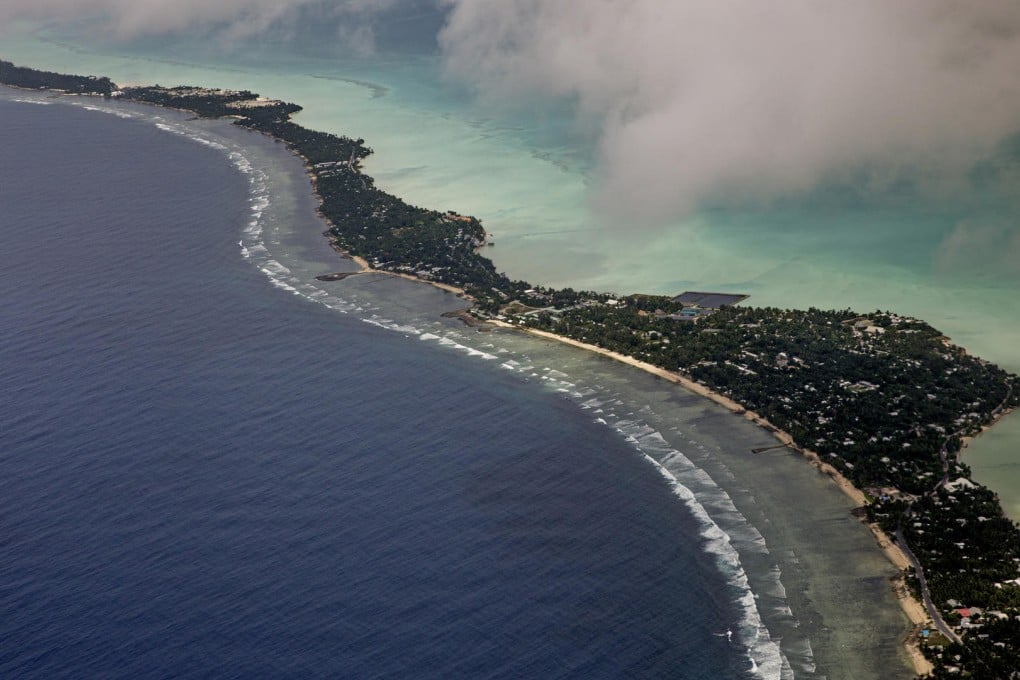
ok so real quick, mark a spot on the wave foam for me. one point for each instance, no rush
(706, 501)
(712, 508)
(763, 652)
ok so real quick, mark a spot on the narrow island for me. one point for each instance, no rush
(882, 403)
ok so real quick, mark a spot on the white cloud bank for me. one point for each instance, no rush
(694, 100)
(711, 99)
(125, 19)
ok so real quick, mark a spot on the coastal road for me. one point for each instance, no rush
(933, 612)
(997, 412)
(929, 606)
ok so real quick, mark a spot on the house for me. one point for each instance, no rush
(960, 483)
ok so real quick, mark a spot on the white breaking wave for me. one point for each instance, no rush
(188, 133)
(706, 501)
(391, 325)
(710, 505)
(763, 652)
(111, 111)
(449, 340)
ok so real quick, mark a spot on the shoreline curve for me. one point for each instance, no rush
(910, 606)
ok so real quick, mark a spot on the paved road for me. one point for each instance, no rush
(933, 612)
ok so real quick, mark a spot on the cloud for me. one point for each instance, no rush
(709, 101)
(984, 249)
(129, 19)
(688, 102)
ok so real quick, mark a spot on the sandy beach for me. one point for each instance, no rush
(366, 268)
(910, 606)
(913, 609)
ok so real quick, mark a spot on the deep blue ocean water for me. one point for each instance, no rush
(204, 476)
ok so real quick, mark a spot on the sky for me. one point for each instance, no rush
(692, 102)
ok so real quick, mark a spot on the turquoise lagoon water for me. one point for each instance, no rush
(757, 545)
(949, 259)
(526, 175)
(525, 172)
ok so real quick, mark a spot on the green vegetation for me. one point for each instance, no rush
(886, 400)
(883, 398)
(366, 221)
(19, 76)
(211, 103)
(876, 395)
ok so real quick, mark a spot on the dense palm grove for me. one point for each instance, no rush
(366, 221)
(19, 76)
(878, 395)
(885, 399)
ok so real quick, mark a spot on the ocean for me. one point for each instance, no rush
(217, 466)
(947, 256)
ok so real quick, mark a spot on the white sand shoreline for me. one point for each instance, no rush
(911, 607)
